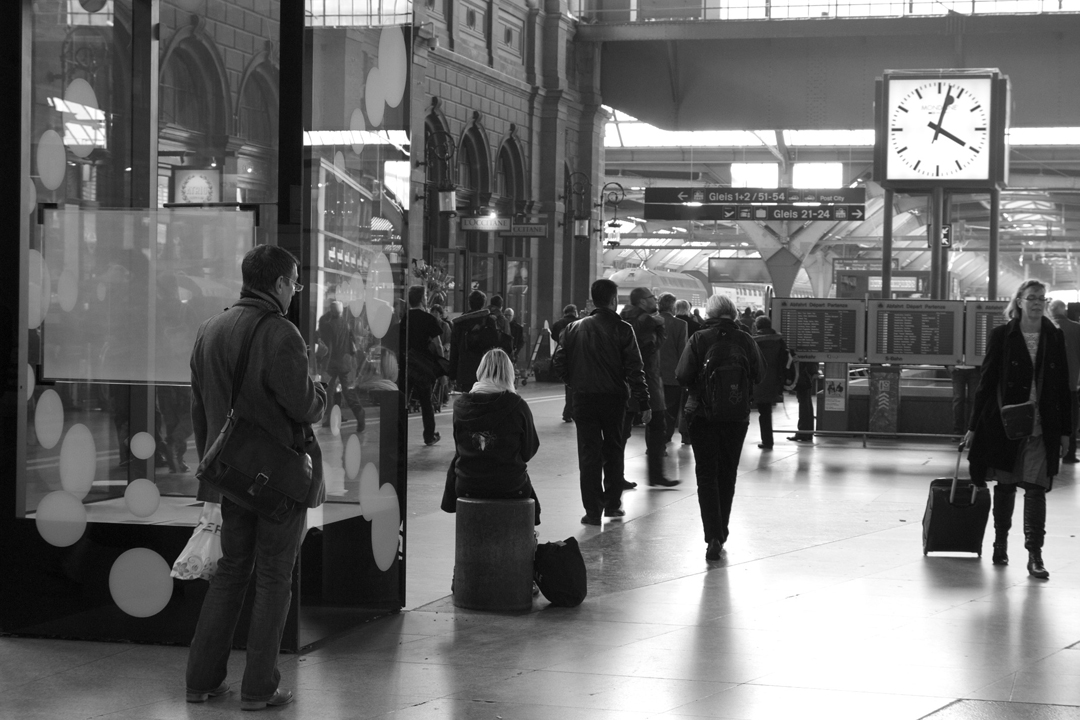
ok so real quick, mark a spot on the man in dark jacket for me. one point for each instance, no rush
(464, 359)
(336, 336)
(774, 351)
(420, 329)
(717, 443)
(280, 397)
(644, 316)
(671, 350)
(599, 358)
(570, 315)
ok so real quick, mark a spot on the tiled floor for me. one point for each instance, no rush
(823, 607)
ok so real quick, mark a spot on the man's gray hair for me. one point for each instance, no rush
(718, 306)
(1058, 309)
(682, 307)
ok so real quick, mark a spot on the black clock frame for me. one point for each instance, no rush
(999, 122)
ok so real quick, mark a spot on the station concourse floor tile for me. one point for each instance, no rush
(822, 606)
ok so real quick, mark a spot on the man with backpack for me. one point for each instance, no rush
(598, 358)
(474, 333)
(720, 366)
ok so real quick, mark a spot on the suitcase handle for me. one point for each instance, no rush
(956, 478)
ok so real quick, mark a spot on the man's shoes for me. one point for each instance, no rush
(715, 548)
(590, 520)
(1070, 459)
(281, 697)
(763, 446)
(614, 512)
(1035, 566)
(198, 697)
(796, 438)
(1001, 554)
(663, 482)
(434, 439)
(628, 485)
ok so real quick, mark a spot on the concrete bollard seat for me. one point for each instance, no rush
(494, 549)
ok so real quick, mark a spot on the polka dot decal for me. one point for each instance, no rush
(40, 290)
(393, 65)
(384, 527)
(352, 457)
(143, 445)
(139, 582)
(80, 125)
(142, 498)
(357, 124)
(67, 290)
(369, 489)
(380, 295)
(335, 421)
(51, 160)
(60, 519)
(48, 418)
(78, 461)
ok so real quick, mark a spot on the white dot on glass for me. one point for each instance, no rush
(31, 381)
(51, 159)
(393, 64)
(48, 418)
(142, 445)
(67, 290)
(356, 305)
(30, 195)
(139, 582)
(78, 461)
(335, 421)
(60, 519)
(101, 292)
(384, 528)
(79, 92)
(374, 100)
(40, 290)
(380, 295)
(142, 498)
(369, 490)
(352, 457)
(357, 126)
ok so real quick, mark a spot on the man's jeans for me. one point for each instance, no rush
(599, 423)
(717, 447)
(247, 542)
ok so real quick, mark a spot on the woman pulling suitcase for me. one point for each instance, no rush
(1021, 422)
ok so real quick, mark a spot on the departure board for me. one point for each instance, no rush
(981, 316)
(822, 330)
(914, 332)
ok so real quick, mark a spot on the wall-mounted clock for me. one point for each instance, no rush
(942, 128)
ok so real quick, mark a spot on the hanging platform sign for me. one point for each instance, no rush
(485, 224)
(526, 230)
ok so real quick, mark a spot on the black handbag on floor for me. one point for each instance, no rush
(559, 572)
(251, 467)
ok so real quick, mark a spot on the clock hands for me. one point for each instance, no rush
(938, 129)
(944, 106)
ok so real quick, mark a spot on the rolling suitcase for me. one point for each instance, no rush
(956, 513)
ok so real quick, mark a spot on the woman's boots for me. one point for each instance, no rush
(1004, 502)
(1034, 525)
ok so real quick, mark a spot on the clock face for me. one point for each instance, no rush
(939, 129)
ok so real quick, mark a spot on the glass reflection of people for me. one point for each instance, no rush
(1025, 362)
(336, 335)
(494, 438)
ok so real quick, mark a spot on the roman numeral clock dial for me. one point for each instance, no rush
(939, 128)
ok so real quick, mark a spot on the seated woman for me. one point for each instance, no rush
(494, 438)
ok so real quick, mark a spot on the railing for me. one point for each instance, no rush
(659, 10)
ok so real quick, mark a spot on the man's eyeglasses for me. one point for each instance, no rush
(297, 287)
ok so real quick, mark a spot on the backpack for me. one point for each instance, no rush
(483, 336)
(559, 572)
(724, 388)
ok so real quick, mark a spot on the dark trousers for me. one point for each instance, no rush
(248, 543)
(1074, 403)
(422, 393)
(805, 396)
(965, 381)
(568, 404)
(673, 400)
(717, 448)
(655, 441)
(765, 423)
(600, 443)
(1034, 514)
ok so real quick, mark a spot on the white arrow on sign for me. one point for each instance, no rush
(857, 214)
(682, 197)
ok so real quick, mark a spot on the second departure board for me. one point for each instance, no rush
(822, 330)
(915, 332)
(982, 316)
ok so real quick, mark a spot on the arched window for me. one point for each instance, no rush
(510, 182)
(184, 99)
(468, 165)
(258, 110)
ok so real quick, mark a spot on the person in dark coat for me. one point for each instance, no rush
(717, 444)
(418, 333)
(465, 360)
(804, 393)
(643, 314)
(682, 311)
(281, 398)
(570, 314)
(494, 438)
(774, 351)
(670, 351)
(1025, 361)
(1071, 331)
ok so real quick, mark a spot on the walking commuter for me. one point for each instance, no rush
(475, 332)
(670, 352)
(720, 366)
(280, 397)
(570, 314)
(336, 335)
(517, 335)
(775, 353)
(423, 336)
(644, 316)
(495, 307)
(1025, 362)
(1072, 352)
(599, 359)
(804, 393)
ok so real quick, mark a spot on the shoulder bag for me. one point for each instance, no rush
(251, 467)
(1019, 420)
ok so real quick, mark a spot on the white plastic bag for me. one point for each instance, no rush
(202, 552)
